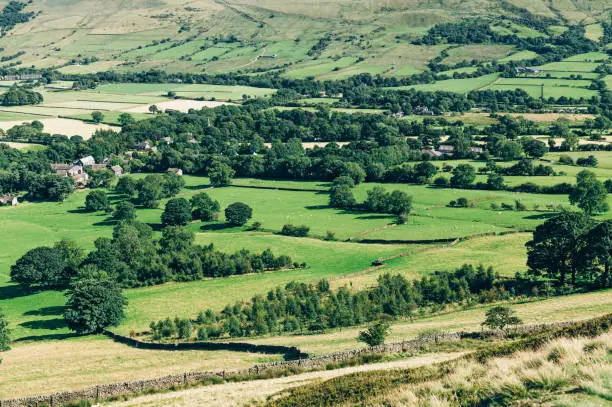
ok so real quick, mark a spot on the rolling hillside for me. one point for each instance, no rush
(327, 40)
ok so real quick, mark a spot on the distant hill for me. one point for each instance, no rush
(304, 38)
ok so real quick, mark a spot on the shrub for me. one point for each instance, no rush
(589, 161)
(566, 159)
(376, 334)
(297, 231)
(441, 182)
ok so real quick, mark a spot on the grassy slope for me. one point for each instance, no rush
(117, 32)
(32, 225)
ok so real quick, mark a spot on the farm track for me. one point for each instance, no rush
(245, 393)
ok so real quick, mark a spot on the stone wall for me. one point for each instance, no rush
(106, 391)
(290, 352)
(169, 382)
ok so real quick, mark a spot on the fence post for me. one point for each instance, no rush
(185, 379)
(97, 393)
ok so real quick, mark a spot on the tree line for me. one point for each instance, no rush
(132, 258)
(301, 307)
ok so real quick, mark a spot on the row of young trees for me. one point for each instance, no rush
(300, 307)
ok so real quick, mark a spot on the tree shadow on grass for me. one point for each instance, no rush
(46, 311)
(379, 216)
(110, 221)
(14, 291)
(48, 324)
(315, 207)
(47, 337)
(198, 187)
(215, 227)
(80, 209)
(541, 216)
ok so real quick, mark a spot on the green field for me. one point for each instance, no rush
(32, 225)
(455, 85)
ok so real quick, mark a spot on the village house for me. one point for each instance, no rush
(9, 199)
(167, 140)
(431, 153)
(423, 110)
(446, 149)
(476, 150)
(98, 167)
(117, 170)
(76, 172)
(86, 161)
(142, 146)
(176, 171)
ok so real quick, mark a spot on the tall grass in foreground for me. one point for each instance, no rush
(545, 365)
(579, 367)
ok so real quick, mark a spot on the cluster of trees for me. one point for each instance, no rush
(17, 96)
(301, 307)
(378, 200)
(11, 15)
(132, 258)
(572, 244)
(149, 190)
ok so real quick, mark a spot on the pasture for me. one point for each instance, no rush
(35, 224)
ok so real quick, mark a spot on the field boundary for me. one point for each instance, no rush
(171, 382)
(442, 240)
(289, 351)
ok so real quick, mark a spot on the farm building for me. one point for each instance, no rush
(476, 150)
(142, 146)
(176, 171)
(431, 153)
(167, 140)
(446, 149)
(98, 167)
(527, 69)
(117, 170)
(8, 200)
(423, 110)
(86, 161)
(76, 172)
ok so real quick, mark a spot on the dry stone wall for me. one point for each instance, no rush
(112, 390)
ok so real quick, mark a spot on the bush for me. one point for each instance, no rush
(376, 334)
(589, 161)
(441, 182)
(297, 231)
(566, 160)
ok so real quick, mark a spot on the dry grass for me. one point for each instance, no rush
(250, 392)
(67, 127)
(577, 365)
(43, 368)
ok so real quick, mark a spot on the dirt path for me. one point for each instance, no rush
(490, 84)
(246, 393)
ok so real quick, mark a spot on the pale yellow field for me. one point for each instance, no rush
(47, 367)
(180, 105)
(66, 127)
